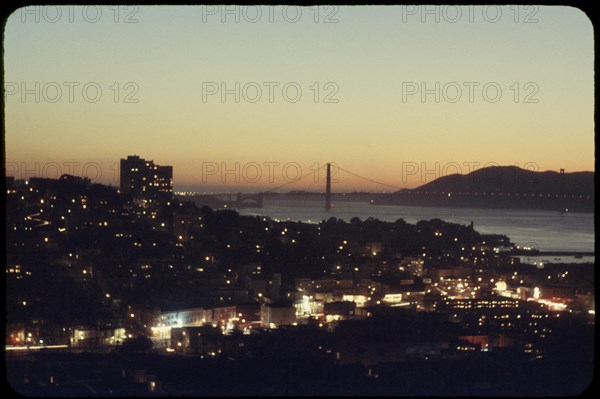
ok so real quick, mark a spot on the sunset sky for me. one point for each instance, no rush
(367, 61)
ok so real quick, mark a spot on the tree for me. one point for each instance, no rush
(137, 345)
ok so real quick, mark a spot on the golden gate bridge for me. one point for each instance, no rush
(255, 200)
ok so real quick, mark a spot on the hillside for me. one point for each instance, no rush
(511, 179)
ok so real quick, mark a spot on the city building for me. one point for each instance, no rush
(143, 179)
(272, 316)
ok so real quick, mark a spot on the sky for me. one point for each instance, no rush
(251, 98)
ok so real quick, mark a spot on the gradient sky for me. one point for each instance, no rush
(369, 54)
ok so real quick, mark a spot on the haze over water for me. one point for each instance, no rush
(545, 230)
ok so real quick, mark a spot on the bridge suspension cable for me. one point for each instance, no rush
(341, 169)
(290, 182)
(368, 179)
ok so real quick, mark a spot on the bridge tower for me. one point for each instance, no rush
(259, 202)
(328, 188)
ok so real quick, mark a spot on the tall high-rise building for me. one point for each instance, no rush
(143, 179)
(328, 188)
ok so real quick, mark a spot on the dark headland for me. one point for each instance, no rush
(502, 187)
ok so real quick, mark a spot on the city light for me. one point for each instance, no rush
(376, 138)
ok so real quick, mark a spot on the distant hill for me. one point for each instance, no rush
(502, 187)
(511, 179)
